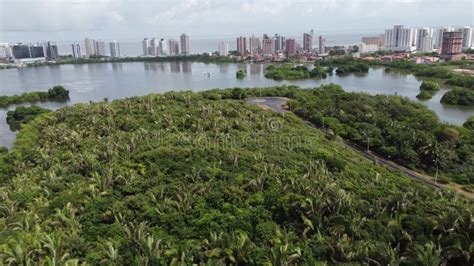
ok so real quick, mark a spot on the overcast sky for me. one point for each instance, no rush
(31, 20)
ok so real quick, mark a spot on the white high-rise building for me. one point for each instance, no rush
(173, 46)
(90, 47)
(438, 40)
(100, 48)
(163, 47)
(76, 50)
(425, 40)
(153, 47)
(114, 49)
(185, 45)
(400, 39)
(146, 45)
(223, 49)
(467, 35)
(5, 50)
(255, 46)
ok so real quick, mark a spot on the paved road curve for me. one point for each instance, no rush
(278, 104)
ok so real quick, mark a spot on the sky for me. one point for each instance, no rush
(31, 20)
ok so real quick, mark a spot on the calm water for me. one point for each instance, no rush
(94, 82)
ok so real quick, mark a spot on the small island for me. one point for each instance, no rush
(57, 93)
(459, 96)
(289, 72)
(427, 90)
(240, 74)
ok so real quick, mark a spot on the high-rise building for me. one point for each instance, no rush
(279, 42)
(268, 45)
(145, 45)
(223, 49)
(376, 40)
(438, 41)
(76, 50)
(173, 46)
(5, 50)
(290, 47)
(452, 43)
(242, 45)
(400, 39)
(185, 45)
(467, 35)
(51, 51)
(153, 47)
(254, 45)
(100, 48)
(308, 42)
(163, 47)
(21, 51)
(114, 49)
(322, 45)
(36, 51)
(90, 47)
(425, 40)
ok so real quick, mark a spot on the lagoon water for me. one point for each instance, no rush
(94, 82)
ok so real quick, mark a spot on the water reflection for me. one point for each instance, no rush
(117, 67)
(223, 68)
(186, 67)
(256, 69)
(175, 67)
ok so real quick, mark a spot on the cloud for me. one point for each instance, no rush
(216, 17)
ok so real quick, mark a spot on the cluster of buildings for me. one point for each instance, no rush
(21, 52)
(161, 47)
(96, 48)
(276, 46)
(448, 41)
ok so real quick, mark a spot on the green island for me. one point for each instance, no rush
(459, 96)
(206, 178)
(57, 93)
(240, 74)
(344, 65)
(427, 90)
(290, 72)
(22, 115)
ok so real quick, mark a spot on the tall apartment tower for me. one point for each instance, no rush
(467, 35)
(90, 47)
(308, 41)
(185, 45)
(114, 49)
(145, 46)
(279, 42)
(242, 45)
(322, 45)
(76, 50)
(223, 49)
(452, 43)
(254, 45)
(51, 51)
(400, 39)
(268, 45)
(100, 48)
(173, 46)
(290, 47)
(438, 41)
(163, 47)
(425, 40)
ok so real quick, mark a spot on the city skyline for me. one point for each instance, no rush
(110, 20)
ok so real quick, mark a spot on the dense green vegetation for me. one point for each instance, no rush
(23, 114)
(395, 127)
(459, 96)
(469, 123)
(203, 58)
(427, 90)
(344, 65)
(240, 74)
(57, 93)
(290, 72)
(184, 178)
